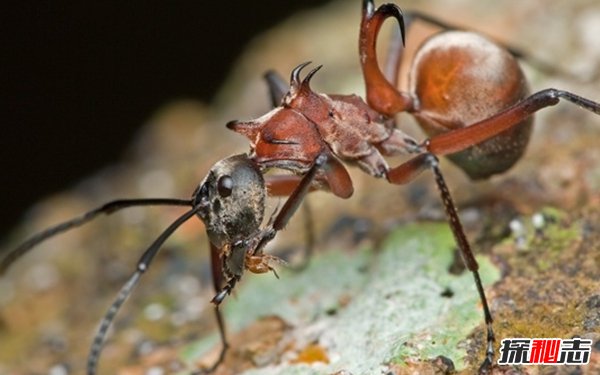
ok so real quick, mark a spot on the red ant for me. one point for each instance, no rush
(467, 93)
(475, 107)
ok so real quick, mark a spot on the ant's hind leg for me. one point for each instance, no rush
(407, 172)
(460, 139)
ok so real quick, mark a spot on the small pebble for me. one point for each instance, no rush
(42, 277)
(59, 369)
(538, 221)
(518, 232)
(154, 311)
(155, 371)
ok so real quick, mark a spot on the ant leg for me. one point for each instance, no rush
(459, 139)
(407, 172)
(322, 162)
(284, 185)
(221, 325)
(142, 266)
(381, 95)
(107, 208)
(218, 280)
(278, 87)
(337, 180)
(297, 196)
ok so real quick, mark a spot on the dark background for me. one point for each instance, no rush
(78, 79)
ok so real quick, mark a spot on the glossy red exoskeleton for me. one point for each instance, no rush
(466, 92)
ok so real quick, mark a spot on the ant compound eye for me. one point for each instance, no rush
(225, 186)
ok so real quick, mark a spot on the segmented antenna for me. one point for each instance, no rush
(107, 208)
(126, 290)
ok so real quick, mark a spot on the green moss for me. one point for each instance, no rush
(547, 283)
(393, 306)
(445, 321)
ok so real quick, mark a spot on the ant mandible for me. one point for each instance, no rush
(467, 93)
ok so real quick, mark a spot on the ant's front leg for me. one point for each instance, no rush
(218, 283)
(284, 185)
(233, 259)
(322, 162)
(229, 262)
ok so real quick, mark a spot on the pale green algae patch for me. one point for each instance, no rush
(394, 311)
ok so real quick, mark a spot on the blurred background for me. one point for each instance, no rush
(80, 79)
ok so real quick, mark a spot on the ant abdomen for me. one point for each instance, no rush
(461, 78)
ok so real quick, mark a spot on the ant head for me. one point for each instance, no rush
(232, 200)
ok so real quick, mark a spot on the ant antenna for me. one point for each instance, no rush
(127, 288)
(107, 208)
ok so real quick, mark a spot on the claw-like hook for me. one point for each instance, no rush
(295, 76)
(385, 11)
(392, 10)
(306, 80)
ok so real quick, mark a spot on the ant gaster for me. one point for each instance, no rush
(468, 94)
